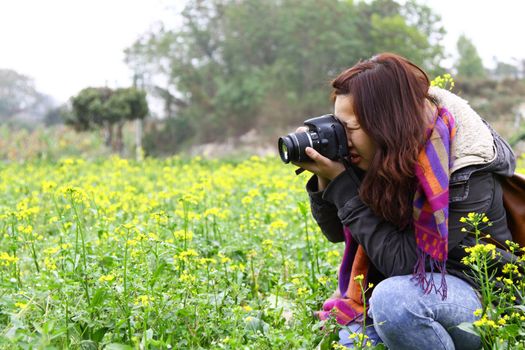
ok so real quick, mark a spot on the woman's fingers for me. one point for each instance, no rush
(316, 156)
(325, 167)
(310, 166)
(320, 165)
(301, 129)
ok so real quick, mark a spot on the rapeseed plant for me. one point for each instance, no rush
(499, 276)
(164, 254)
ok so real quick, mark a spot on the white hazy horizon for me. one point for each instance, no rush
(67, 45)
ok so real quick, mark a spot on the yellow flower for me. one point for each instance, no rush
(50, 264)
(338, 346)
(132, 242)
(246, 200)
(478, 312)
(27, 229)
(153, 236)
(277, 197)
(6, 259)
(224, 258)
(47, 186)
(278, 225)
(267, 244)
(212, 212)
(480, 250)
(302, 291)
(51, 250)
(359, 278)
(185, 255)
(186, 277)
(183, 235)
(510, 269)
(240, 266)
(144, 300)
(21, 305)
(247, 308)
(106, 278)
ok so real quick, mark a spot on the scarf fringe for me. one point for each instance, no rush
(427, 283)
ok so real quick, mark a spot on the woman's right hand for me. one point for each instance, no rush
(325, 169)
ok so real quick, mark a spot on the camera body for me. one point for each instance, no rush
(325, 134)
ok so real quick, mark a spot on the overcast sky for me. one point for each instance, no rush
(66, 45)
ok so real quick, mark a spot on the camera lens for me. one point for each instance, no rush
(291, 147)
(285, 145)
(283, 151)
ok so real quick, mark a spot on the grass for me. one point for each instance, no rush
(160, 254)
(182, 254)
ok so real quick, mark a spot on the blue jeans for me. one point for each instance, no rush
(405, 318)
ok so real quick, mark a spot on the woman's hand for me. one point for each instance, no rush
(325, 169)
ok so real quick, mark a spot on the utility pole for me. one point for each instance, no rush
(139, 152)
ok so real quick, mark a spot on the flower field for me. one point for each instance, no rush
(159, 254)
(182, 254)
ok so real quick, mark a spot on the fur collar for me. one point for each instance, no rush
(474, 143)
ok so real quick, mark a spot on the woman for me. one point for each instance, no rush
(421, 159)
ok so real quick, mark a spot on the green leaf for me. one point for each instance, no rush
(520, 307)
(98, 297)
(468, 327)
(118, 346)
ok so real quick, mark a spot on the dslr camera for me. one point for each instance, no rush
(325, 134)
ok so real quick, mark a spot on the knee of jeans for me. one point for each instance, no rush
(388, 300)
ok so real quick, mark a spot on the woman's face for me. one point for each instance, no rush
(360, 145)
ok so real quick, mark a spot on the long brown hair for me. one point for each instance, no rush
(389, 95)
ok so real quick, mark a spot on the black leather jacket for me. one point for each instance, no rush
(393, 251)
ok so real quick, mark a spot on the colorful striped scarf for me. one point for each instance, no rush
(430, 220)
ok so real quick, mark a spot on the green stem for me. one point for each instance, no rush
(185, 210)
(254, 282)
(216, 231)
(16, 268)
(285, 277)
(81, 230)
(126, 284)
(309, 249)
(33, 253)
(67, 322)
(362, 340)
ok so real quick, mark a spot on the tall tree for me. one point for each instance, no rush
(237, 64)
(125, 104)
(412, 30)
(17, 93)
(109, 109)
(505, 70)
(469, 64)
